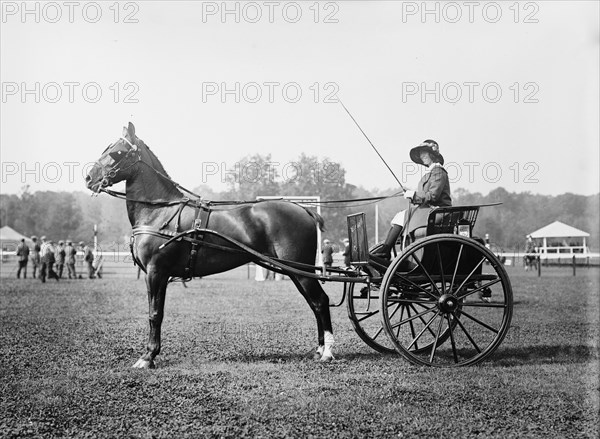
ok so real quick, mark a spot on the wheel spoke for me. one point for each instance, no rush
(411, 301)
(423, 330)
(398, 306)
(485, 305)
(398, 328)
(378, 332)
(372, 313)
(422, 319)
(454, 353)
(468, 293)
(426, 274)
(471, 274)
(456, 267)
(412, 328)
(416, 316)
(467, 333)
(366, 315)
(405, 279)
(485, 325)
(439, 254)
(435, 342)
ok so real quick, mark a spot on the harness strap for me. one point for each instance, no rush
(177, 214)
(200, 221)
(149, 230)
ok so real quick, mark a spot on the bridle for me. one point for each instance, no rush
(110, 173)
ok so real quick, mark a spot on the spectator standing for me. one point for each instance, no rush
(35, 255)
(530, 254)
(59, 255)
(346, 253)
(22, 257)
(88, 258)
(47, 259)
(70, 253)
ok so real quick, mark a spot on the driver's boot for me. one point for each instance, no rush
(384, 251)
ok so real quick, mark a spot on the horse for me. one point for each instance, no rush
(276, 229)
(530, 261)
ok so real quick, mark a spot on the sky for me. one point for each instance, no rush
(509, 90)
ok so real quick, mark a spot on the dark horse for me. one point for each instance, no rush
(274, 228)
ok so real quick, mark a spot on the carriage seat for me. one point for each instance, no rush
(449, 219)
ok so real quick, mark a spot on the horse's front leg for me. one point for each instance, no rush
(156, 283)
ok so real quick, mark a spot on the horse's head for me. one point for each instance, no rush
(117, 163)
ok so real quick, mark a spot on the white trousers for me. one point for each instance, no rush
(399, 218)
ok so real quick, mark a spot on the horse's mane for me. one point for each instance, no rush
(154, 162)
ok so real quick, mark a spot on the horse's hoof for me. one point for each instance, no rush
(327, 358)
(144, 364)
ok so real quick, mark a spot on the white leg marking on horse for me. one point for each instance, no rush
(327, 355)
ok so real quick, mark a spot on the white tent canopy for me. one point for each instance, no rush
(553, 239)
(10, 238)
(558, 230)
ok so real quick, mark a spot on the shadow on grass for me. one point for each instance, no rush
(528, 355)
(544, 355)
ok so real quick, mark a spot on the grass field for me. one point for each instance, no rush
(237, 361)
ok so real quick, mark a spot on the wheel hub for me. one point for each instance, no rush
(448, 303)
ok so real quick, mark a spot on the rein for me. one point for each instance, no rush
(163, 203)
(123, 196)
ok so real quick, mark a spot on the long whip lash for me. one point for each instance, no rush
(371, 143)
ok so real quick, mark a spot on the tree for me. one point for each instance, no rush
(310, 176)
(252, 176)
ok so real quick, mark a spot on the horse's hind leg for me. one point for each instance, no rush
(319, 303)
(157, 287)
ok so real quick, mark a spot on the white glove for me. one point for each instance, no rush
(409, 194)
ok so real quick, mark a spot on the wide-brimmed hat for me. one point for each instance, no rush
(429, 146)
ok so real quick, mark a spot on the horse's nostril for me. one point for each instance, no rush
(88, 178)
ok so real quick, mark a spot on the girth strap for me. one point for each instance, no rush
(200, 221)
(202, 215)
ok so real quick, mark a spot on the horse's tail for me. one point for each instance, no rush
(318, 218)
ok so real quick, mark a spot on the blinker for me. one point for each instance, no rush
(119, 152)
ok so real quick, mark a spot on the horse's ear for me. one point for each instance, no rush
(131, 131)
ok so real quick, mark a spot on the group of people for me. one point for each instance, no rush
(327, 250)
(48, 260)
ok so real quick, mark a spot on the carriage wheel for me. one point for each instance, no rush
(364, 315)
(452, 302)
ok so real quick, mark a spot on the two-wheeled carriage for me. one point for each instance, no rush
(444, 300)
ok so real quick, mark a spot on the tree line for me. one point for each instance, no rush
(72, 215)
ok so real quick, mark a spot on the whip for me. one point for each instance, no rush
(371, 143)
